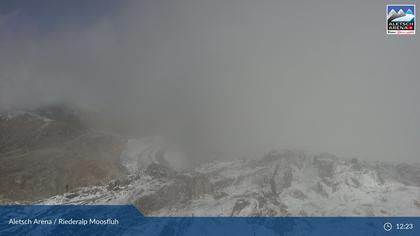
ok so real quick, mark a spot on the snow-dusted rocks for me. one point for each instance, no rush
(281, 183)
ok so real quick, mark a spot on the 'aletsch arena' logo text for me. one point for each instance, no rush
(401, 19)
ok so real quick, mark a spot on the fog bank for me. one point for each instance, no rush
(244, 76)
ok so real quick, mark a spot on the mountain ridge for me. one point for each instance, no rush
(52, 156)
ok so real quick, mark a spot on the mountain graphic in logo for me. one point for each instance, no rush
(401, 19)
(401, 16)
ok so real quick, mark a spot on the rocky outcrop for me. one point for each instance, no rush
(159, 171)
(239, 205)
(178, 193)
(326, 165)
(410, 174)
(50, 151)
(275, 186)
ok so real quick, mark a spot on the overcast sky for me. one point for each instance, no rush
(321, 76)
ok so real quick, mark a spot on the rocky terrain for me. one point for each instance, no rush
(51, 151)
(279, 184)
(49, 156)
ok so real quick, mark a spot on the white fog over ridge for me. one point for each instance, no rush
(228, 73)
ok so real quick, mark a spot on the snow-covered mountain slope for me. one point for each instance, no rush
(279, 184)
(52, 156)
(405, 18)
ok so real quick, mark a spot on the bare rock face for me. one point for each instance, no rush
(416, 204)
(50, 151)
(326, 165)
(410, 174)
(239, 205)
(281, 179)
(279, 175)
(178, 193)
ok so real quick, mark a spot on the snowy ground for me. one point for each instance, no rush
(279, 184)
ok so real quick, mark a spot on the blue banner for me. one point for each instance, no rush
(127, 220)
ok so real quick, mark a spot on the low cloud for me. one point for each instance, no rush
(243, 76)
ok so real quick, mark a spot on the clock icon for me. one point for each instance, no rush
(387, 226)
